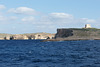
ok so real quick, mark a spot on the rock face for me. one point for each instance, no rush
(2, 39)
(62, 33)
(44, 36)
(89, 33)
(26, 36)
(19, 37)
(76, 34)
(39, 36)
(7, 38)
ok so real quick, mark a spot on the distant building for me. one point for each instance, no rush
(88, 26)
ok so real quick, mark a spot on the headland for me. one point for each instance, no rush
(63, 34)
(86, 33)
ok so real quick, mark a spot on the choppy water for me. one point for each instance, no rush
(33, 53)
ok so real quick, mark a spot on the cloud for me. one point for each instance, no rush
(57, 19)
(28, 19)
(2, 7)
(61, 15)
(60, 20)
(42, 22)
(13, 18)
(7, 20)
(54, 19)
(86, 20)
(2, 18)
(22, 10)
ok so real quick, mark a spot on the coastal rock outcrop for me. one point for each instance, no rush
(89, 33)
(19, 37)
(26, 36)
(62, 33)
(76, 34)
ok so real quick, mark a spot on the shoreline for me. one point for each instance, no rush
(68, 39)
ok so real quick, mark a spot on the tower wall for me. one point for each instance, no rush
(87, 26)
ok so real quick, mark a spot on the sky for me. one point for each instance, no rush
(33, 16)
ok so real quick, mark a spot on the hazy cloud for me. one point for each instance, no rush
(42, 22)
(57, 19)
(23, 10)
(61, 15)
(2, 7)
(5, 19)
(86, 20)
(28, 19)
(2, 18)
(13, 18)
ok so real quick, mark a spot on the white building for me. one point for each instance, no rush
(88, 26)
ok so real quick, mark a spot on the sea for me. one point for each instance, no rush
(34, 53)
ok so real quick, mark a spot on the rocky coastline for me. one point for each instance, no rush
(68, 39)
(29, 36)
(63, 34)
(68, 34)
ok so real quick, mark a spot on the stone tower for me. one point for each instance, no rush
(88, 26)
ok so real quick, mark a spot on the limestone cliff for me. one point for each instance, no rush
(26, 36)
(89, 33)
(62, 33)
(76, 34)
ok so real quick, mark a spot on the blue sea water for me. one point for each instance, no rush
(34, 53)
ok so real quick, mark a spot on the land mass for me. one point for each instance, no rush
(26, 36)
(64, 34)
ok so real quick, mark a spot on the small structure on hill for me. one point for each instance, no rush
(88, 26)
